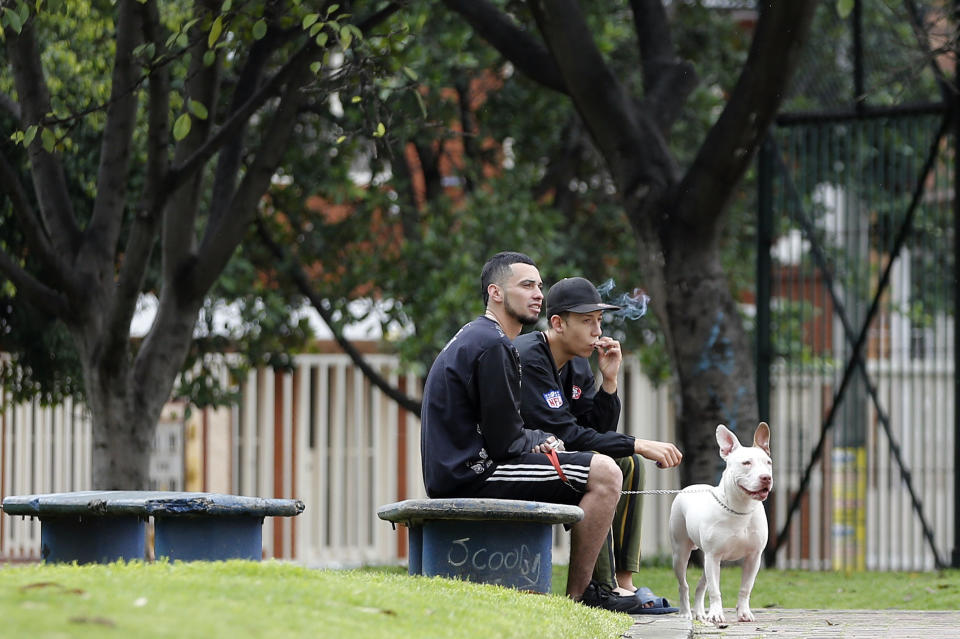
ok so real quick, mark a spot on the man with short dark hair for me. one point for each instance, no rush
(475, 444)
(560, 395)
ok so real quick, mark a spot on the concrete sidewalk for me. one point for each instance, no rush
(806, 624)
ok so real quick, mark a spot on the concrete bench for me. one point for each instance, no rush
(104, 526)
(500, 541)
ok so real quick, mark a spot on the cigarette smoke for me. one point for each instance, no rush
(632, 305)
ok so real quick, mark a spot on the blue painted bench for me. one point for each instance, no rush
(500, 541)
(104, 526)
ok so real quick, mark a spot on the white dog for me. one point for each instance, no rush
(727, 522)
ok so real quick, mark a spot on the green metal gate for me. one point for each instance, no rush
(856, 339)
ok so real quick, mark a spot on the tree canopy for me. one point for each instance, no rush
(135, 126)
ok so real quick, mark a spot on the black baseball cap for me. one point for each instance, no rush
(576, 295)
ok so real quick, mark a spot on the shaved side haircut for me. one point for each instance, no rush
(497, 269)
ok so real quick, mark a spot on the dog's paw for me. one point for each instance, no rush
(715, 616)
(745, 614)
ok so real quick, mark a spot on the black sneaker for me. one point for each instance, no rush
(598, 595)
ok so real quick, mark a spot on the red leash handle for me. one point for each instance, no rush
(552, 456)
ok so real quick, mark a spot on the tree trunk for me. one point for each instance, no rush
(123, 429)
(712, 358)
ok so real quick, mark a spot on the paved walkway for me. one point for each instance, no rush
(807, 624)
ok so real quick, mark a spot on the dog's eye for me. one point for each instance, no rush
(747, 463)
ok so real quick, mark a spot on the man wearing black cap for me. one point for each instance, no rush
(559, 395)
(473, 442)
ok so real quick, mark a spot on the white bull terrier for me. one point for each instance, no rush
(727, 522)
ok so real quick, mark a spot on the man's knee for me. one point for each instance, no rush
(604, 473)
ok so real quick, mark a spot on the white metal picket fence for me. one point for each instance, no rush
(42, 449)
(324, 434)
(857, 512)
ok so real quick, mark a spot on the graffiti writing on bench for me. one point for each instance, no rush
(481, 559)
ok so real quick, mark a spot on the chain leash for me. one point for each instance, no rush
(666, 491)
(661, 491)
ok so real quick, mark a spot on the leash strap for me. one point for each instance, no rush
(552, 456)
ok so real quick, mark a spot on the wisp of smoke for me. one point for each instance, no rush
(632, 305)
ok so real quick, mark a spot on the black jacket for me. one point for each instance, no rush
(567, 403)
(470, 415)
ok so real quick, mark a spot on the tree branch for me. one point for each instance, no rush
(228, 162)
(179, 235)
(49, 181)
(302, 282)
(101, 235)
(143, 232)
(617, 127)
(516, 44)
(667, 81)
(31, 225)
(923, 42)
(220, 239)
(33, 291)
(238, 118)
(189, 166)
(732, 141)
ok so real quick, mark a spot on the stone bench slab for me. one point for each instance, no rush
(104, 526)
(148, 503)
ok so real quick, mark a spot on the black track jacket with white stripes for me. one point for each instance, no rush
(567, 403)
(470, 415)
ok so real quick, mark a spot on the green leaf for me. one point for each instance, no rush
(215, 30)
(227, 5)
(181, 128)
(13, 19)
(317, 28)
(355, 99)
(309, 19)
(331, 9)
(346, 37)
(381, 130)
(260, 29)
(844, 8)
(322, 39)
(423, 107)
(341, 139)
(209, 57)
(410, 73)
(198, 109)
(315, 67)
(28, 135)
(49, 140)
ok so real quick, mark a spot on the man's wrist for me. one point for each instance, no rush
(609, 386)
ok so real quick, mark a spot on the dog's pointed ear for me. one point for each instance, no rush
(728, 441)
(761, 437)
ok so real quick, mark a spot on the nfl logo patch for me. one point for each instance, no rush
(554, 399)
(576, 392)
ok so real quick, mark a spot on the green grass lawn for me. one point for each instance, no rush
(239, 599)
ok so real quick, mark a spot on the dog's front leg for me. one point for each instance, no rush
(711, 575)
(751, 564)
